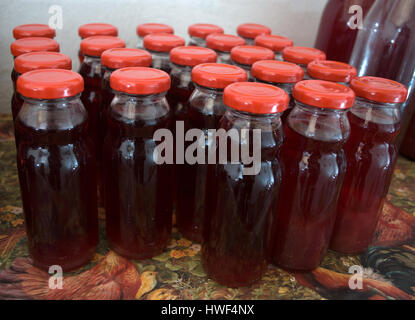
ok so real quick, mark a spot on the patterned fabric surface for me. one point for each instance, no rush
(387, 269)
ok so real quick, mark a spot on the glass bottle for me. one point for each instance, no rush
(138, 197)
(150, 28)
(371, 154)
(281, 74)
(245, 56)
(160, 45)
(199, 31)
(57, 169)
(241, 203)
(205, 109)
(95, 29)
(313, 168)
(223, 44)
(249, 31)
(275, 43)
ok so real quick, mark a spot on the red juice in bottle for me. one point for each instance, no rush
(245, 56)
(138, 197)
(183, 60)
(90, 70)
(241, 203)
(35, 61)
(160, 45)
(280, 74)
(313, 167)
(205, 109)
(33, 30)
(111, 60)
(371, 156)
(95, 29)
(57, 170)
(150, 28)
(302, 56)
(199, 31)
(274, 43)
(335, 36)
(223, 44)
(333, 71)
(249, 31)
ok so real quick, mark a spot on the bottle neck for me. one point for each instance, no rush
(52, 114)
(128, 107)
(378, 113)
(328, 125)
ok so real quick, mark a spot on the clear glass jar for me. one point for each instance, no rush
(204, 110)
(241, 204)
(95, 29)
(281, 74)
(183, 60)
(138, 201)
(150, 28)
(223, 44)
(35, 61)
(249, 31)
(160, 45)
(245, 56)
(371, 155)
(314, 165)
(199, 31)
(57, 170)
(274, 43)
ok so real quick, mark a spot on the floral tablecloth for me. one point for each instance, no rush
(385, 271)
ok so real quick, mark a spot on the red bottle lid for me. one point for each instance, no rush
(50, 84)
(140, 80)
(117, 58)
(33, 44)
(331, 71)
(192, 55)
(96, 45)
(97, 29)
(277, 71)
(324, 94)
(217, 75)
(250, 54)
(273, 42)
(302, 55)
(223, 42)
(42, 60)
(252, 30)
(162, 42)
(379, 89)
(33, 30)
(202, 30)
(253, 97)
(150, 28)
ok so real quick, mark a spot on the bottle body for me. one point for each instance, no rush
(57, 174)
(334, 36)
(204, 111)
(408, 144)
(313, 165)
(240, 210)
(181, 90)
(138, 199)
(371, 156)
